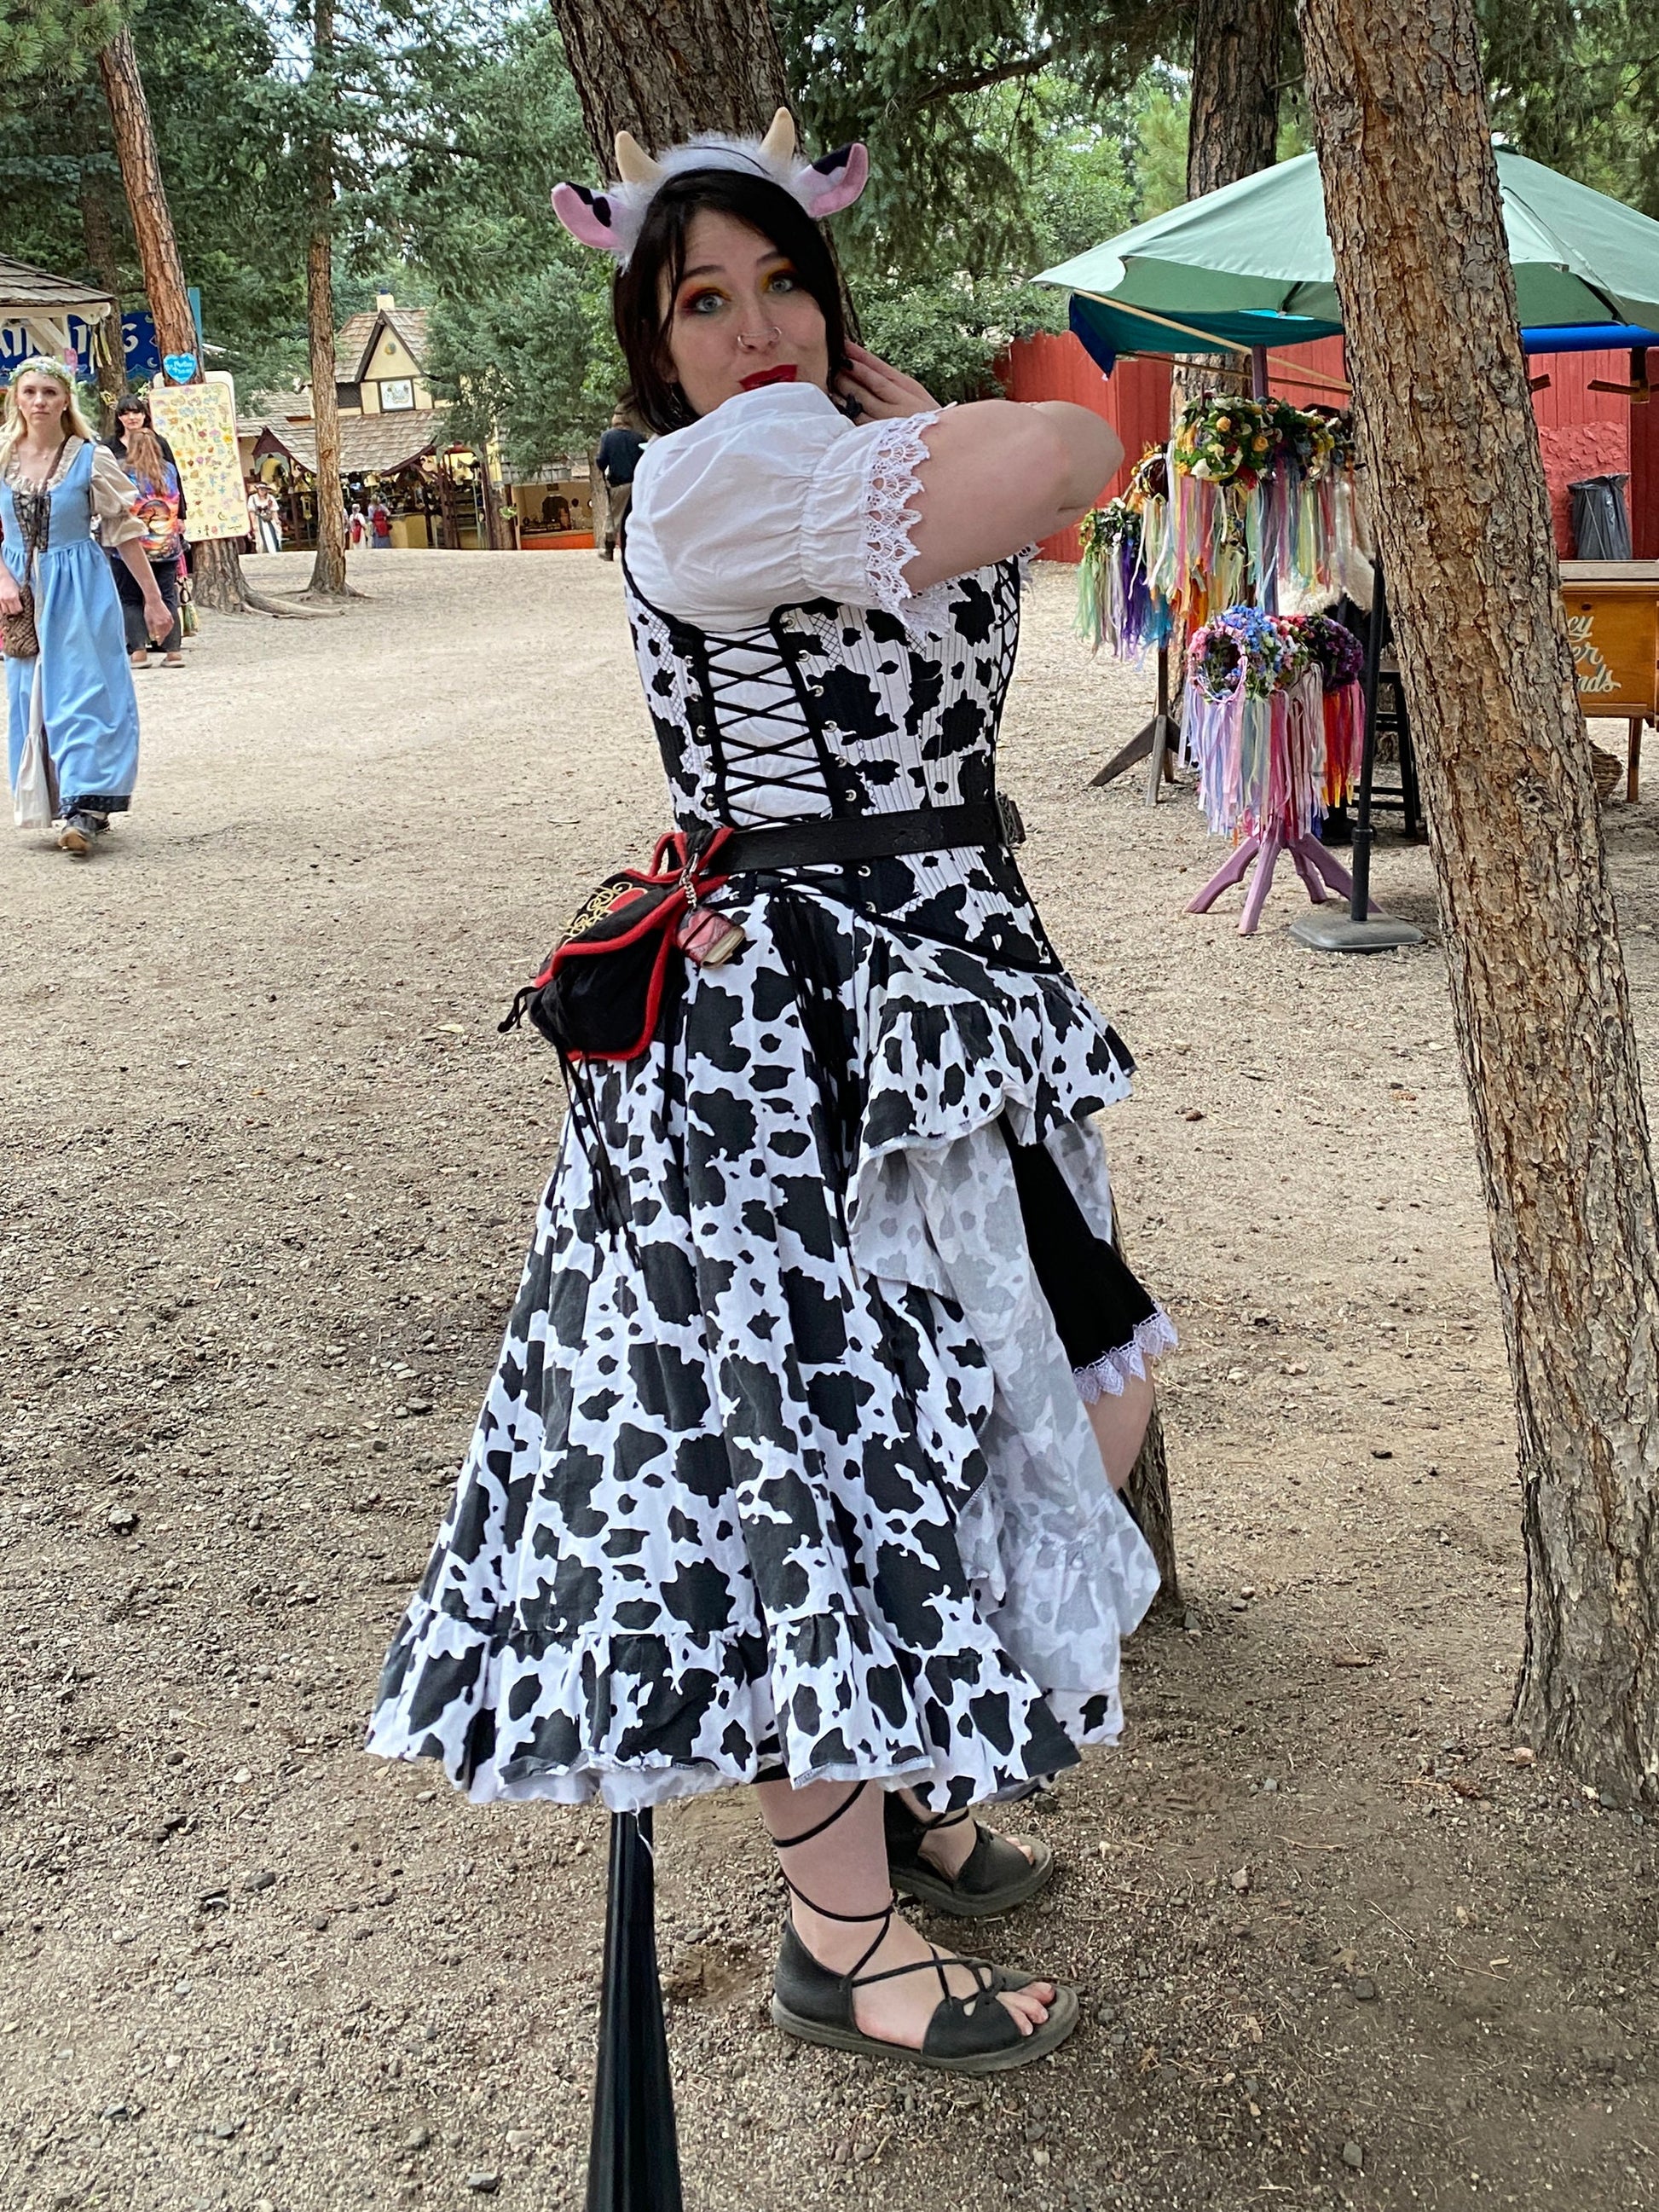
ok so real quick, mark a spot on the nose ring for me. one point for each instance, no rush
(757, 341)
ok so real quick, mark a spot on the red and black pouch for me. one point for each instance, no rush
(601, 994)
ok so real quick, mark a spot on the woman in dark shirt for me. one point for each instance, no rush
(149, 460)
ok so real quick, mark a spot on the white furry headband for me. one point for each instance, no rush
(611, 219)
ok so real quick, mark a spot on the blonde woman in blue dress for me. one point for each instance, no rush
(73, 700)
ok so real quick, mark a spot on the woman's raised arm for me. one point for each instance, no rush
(999, 474)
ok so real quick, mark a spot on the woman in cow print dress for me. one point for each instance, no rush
(799, 1465)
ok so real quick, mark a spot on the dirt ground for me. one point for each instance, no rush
(269, 1172)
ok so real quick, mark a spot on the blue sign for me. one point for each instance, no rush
(142, 348)
(141, 355)
(180, 367)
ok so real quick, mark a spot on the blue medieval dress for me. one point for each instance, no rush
(78, 689)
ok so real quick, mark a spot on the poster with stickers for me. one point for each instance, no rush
(198, 421)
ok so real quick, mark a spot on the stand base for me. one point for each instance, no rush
(1155, 741)
(1321, 874)
(1340, 933)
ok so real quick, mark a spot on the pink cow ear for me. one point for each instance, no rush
(835, 181)
(586, 216)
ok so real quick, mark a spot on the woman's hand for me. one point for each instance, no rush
(158, 620)
(11, 600)
(882, 394)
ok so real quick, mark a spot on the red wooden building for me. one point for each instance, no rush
(1581, 432)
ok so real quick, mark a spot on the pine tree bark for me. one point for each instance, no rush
(1233, 128)
(668, 71)
(98, 232)
(216, 572)
(328, 568)
(1538, 983)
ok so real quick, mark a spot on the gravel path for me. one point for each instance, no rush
(268, 1173)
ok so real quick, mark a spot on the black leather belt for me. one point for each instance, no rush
(855, 837)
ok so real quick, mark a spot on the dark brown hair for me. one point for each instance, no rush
(636, 299)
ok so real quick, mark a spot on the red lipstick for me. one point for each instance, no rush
(783, 374)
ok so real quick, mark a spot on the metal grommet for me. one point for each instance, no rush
(863, 868)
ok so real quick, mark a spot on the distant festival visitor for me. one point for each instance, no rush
(265, 519)
(356, 527)
(801, 1464)
(149, 463)
(380, 523)
(70, 706)
(617, 458)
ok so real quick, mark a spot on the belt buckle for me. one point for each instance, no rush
(1013, 825)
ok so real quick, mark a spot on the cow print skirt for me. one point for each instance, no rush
(788, 1474)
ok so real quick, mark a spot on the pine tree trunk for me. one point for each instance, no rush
(328, 569)
(1233, 131)
(103, 258)
(495, 533)
(1538, 983)
(217, 569)
(668, 71)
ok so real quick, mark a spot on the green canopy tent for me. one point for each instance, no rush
(1251, 266)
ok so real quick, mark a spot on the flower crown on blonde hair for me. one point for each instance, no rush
(611, 219)
(43, 364)
(58, 371)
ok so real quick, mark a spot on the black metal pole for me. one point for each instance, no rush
(634, 2162)
(1359, 906)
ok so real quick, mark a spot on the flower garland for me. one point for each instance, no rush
(1273, 721)
(1118, 606)
(1249, 496)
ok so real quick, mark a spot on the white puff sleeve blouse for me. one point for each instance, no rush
(114, 495)
(774, 499)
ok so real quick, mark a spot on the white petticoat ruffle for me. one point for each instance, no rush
(1109, 1375)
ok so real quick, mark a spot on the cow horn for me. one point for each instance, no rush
(779, 144)
(634, 165)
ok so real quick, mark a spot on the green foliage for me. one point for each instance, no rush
(1161, 110)
(1576, 87)
(946, 310)
(55, 41)
(520, 330)
(535, 364)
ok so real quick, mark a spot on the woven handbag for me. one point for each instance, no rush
(17, 632)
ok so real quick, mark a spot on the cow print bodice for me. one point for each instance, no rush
(827, 710)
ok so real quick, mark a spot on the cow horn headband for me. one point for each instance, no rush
(611, 219)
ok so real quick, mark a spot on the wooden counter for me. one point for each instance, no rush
(1613, 619)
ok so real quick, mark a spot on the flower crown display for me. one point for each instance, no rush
(1275, 721)
(1250, 496)
(611, 219)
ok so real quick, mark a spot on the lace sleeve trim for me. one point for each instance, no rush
(890, 486)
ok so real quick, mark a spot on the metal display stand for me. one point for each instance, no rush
(1360, 930)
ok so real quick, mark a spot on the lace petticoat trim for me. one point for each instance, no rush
(1110, 1374)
